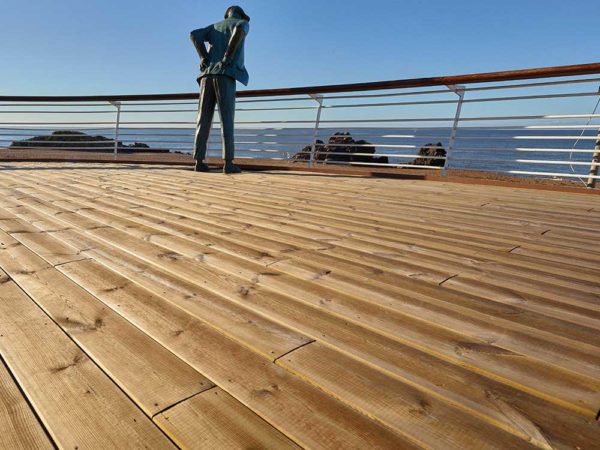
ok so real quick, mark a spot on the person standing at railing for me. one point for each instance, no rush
(220, 67)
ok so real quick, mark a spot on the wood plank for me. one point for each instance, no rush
(182, 215)
(19, 427)
(368, 346)
(77, 403)
(472, 302)
(525, 285)
(463, 310)
(304, 413)
(377, 263)
(435, 423)
(365, 295)
(230, 314)
(434, 227)
(525, 343)
(151, 375)
(52, 250)
(326, 211)
(215, 419)
(254, 330)
(546, 252)
(465, 389)
(318, 200)
(378, 241)
(382, 270)
(578, 315)
(494, 361)
(555, 279)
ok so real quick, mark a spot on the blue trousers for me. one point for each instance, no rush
(216, 89)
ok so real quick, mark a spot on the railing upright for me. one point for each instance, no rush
(460, 91)
(591, 182)
(117, 126)
(319, 100)
(499, 138)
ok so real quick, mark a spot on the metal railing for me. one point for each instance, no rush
(500, 122)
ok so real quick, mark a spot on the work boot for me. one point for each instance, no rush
(229, 167)
(201, 167)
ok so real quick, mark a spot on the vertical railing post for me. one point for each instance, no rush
(591, 182)
(319, 100)
(460, 91)
(117, 126)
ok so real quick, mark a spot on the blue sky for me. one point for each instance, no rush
(134, 46)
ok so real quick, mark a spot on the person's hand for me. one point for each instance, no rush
(203, 65)
(222, 64)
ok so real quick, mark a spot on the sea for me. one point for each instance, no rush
(495, 150)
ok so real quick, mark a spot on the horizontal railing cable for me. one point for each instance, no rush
(486, 122)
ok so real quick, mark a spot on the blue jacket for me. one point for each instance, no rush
(218, 36)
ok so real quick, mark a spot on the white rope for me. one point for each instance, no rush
(581, 135)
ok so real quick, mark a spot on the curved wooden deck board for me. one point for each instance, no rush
(491, 265)
(133, 185)
(327, 196)
(413, 273)
(422, 224)
(406, 313)
(362, 196)
(378, 346)
(464, 350)
(233, 317)
(215, 419)
(153, 276)
(445, 243)
(412, 285)
(392, 402)
(19, 427)
(305, 414)
(152, 209)
(78, 404)
(440, 231)
(129, 229)
(152, 376)
(510, 294)
(290, 286)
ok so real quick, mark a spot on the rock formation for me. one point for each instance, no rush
(341, 147)
(81, 142)
(430, 150)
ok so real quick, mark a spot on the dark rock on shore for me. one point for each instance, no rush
(79, 141)
(431, 150)
(341, 147)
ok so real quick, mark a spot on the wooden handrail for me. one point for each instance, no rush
(486, 77)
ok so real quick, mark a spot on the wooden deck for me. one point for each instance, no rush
(152, 307)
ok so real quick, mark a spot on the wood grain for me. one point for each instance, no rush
(326, 311)
(19, 427)
(215, 419)
(146, 371)
(79, 405)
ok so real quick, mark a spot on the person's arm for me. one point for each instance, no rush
(238, 36)
(199, 37)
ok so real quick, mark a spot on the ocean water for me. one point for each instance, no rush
(497, 150)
